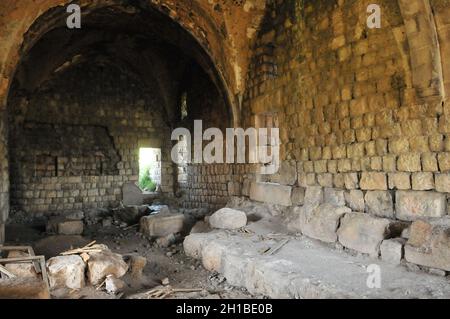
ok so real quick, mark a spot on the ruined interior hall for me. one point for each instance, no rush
(119, 179)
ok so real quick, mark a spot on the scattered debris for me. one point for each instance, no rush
(114, 285)
(163, 292)
(276, 248)
(165, 281)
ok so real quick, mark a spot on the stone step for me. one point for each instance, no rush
(305, 268)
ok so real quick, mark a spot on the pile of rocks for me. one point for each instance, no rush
(97, 267)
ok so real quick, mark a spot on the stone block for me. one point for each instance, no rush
(287, 174)
(298, 196)
(392, 250)
(227, 218)
(62, 226)
(422, 181)
(271, 193)
(363, 233)
(373, 181)
(379, 203)
(355, 200)
(429, 245)
(442, 182)
(161, 225)
(314, 196)
(132, 194)
(66, 272)
(401, 181)
(413, 205)
(102, 264)
(334, 197)
(322, 222)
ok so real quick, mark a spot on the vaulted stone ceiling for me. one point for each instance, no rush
(224, 29)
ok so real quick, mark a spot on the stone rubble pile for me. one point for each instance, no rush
(98, 267)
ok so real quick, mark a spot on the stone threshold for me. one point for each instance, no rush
(305, 268)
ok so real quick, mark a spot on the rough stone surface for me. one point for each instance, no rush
(200, 227)
(102, 264)
(334, 197)
(271, 193)
(355, 200)
(413, 205)
(392, 250)
(162, 225)
(363, 233)
(314, 196)
(66, 272)
(298, 269)
(322, 222)
(373, 181)
(379, 203)
(227, 218)
(132, 195)
(428, 245)
(114, 285)
(63, 226)
(298, 196)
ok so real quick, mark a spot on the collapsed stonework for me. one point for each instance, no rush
(363, 116)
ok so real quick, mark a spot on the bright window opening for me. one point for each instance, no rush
(149, 169)
(184, 106)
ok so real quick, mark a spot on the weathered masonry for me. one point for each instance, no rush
(364, 114)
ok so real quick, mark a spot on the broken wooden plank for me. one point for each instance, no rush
(7, 272)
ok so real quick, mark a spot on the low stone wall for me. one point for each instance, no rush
(49, 194)
(210, 186)
(396, 225)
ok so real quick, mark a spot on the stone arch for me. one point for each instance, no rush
(223, 30)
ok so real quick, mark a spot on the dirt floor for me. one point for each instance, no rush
(163, 264)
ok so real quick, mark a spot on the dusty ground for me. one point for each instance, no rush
(171, 262)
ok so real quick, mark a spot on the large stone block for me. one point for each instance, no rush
(363, 233)
(132, 195)
(322, 222)
(334, 197)
(287, 174)
(298, 196)
(429, 245)
(373, 181)
(442, 182)
(392, 250)
(161, 225)
(66, 272)
(314, 196)
(379, 203)
(227, 218)
(61, 225)
(102, 264)
(355, 200)
(271, 193)
(413, 205)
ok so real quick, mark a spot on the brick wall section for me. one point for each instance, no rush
(106, 104)
(210, 186)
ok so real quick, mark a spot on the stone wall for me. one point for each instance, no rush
(75, 141)
(364, 149)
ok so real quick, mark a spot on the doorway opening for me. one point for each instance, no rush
(149, 169)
